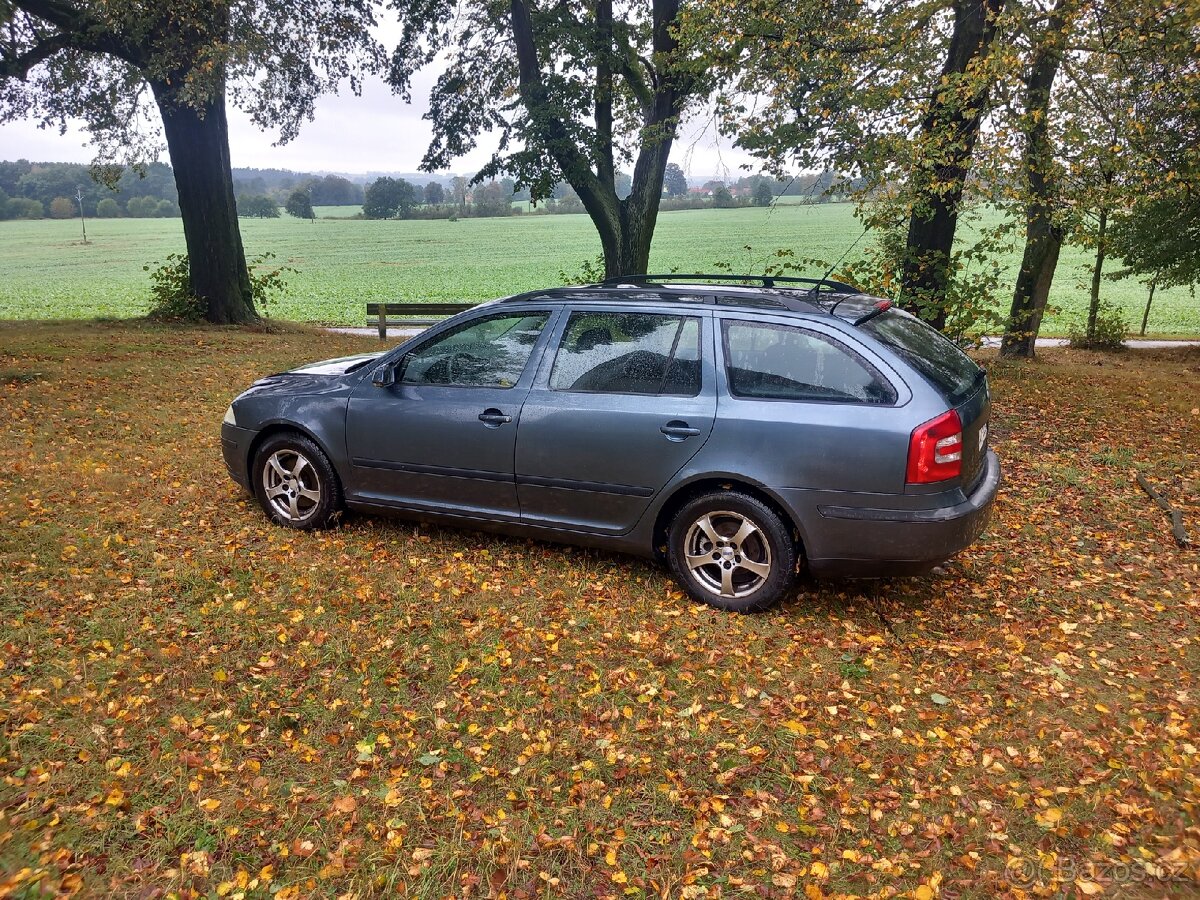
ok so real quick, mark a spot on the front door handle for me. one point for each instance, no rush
(676, 430)
(493, 418)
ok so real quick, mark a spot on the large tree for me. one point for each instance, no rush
(574, 90)
(1119, 128)
(1159, 240)
(1040, 172)
(389, 198)
(299, 204)
(102, 61)
(891, 95)
(948, 133)
(674, 181)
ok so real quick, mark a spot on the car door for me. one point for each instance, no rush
(441, 434)
(626, 399)
(806, 410)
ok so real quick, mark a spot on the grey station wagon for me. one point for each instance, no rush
(734, 427)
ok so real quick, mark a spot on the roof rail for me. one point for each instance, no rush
(767, 281)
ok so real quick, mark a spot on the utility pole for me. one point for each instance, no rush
(79, 199)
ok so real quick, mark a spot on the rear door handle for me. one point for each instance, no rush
(493, 418)
(676, 430)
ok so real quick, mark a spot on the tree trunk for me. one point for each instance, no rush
(625, 227)
(951, 127)
(1097, 271)
(1043, 242)
(1149, 300)
(1043, 238)
(198, 142)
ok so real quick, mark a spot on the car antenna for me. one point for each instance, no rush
(838, 261)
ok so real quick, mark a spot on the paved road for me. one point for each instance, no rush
(400, 334)
(1132, 343)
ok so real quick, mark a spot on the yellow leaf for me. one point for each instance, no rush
(210, 805)
(1088, 888)
(819, 870)
(924, 892)
(1050, 817)
(220, 675)
(115, 797)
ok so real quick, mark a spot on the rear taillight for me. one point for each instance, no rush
(935, 450)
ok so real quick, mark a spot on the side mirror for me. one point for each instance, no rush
(384, 376)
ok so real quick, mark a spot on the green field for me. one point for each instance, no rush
(46, 272)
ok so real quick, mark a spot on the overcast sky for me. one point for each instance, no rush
(376, 132)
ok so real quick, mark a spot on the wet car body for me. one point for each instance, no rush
(601, 461)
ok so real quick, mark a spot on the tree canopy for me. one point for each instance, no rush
(573, 90)
(389, 198)
(299, 204)
(104, 62)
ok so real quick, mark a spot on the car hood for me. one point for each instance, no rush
(339, 366)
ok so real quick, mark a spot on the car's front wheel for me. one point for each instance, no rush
(732, 551)
(295, 483)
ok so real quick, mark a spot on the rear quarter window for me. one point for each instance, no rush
(780, 362)
(928, 351)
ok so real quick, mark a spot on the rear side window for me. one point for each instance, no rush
(780, 362)
(628, 353)
(928, 351)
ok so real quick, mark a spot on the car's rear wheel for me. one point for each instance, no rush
(295, 483)
(732, 551)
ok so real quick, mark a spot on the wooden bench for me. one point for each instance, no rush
(414, 314)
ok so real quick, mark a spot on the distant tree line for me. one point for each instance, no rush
(37, 190)
(398, 198)
(40, 190)
(31, 190)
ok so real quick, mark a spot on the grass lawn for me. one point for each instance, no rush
(46, 273)
(196, 703)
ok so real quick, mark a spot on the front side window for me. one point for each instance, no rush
(489, 352)
(780, 362)
(629, 353)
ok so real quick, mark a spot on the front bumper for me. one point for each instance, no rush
(866, 542)
(235, 447)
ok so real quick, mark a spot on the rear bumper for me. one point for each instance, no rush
(882, 542)
(235, 447)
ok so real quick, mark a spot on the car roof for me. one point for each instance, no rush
(784, 294)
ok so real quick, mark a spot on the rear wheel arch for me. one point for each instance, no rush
(685, 493)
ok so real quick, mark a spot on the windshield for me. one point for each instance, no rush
(928, 351)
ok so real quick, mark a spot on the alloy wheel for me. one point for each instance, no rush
(728, 554)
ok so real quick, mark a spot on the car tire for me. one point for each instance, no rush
(732, 551)
(295, 483)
